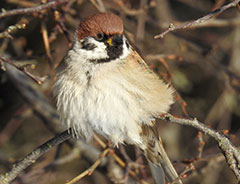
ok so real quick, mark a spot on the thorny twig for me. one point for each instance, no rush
(33, 156)
(172, 27)
(231, 153)
(31, 9)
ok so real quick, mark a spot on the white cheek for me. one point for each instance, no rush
(82, 57)
(126, 50)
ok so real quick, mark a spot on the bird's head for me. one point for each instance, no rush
(100, 38)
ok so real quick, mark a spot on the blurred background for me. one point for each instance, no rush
(201, 62)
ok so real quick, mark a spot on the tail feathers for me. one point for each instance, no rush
(161, 167)
(157, 172)
(169, 170)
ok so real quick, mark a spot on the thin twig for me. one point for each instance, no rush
(216, 23)
(21, 68)
(60, 22)
(74, 154)
(183, 175)
(172, 27)
(129, 163)
(14, 123)
(201, 144)
(11, 29)
(33, 156)
(141, 21)
(189, 168)
(231, 153)
(47, 47)
(99, 5)
(119, 160)
(23, 3)
(39, 8)
(128, 11)
(90, 170)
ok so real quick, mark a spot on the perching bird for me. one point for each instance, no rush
(103, 86)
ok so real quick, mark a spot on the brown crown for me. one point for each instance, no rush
(106, 23)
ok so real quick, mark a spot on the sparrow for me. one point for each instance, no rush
(103, 86)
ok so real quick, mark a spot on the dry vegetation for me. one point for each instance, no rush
(193, 44)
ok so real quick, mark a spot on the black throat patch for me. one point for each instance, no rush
(114, 51)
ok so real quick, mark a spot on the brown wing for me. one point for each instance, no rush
(155, 95)
(158, 159)
(137, 58)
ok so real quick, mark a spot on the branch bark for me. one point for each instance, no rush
(39, 8)
(33, 156)
(231, 153)
(172, 27)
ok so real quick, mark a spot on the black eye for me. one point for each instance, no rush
(100, 36)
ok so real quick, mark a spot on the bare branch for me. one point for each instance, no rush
(31, 9)
(33, 156)
(231, 153)
(172, 27)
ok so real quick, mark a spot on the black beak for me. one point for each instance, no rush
(117, 40)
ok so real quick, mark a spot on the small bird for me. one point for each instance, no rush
(103, 86)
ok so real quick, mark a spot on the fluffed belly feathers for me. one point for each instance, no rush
(114, 104)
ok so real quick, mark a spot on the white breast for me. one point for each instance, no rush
(102, 105)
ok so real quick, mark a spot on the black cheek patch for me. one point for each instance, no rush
(88, 46)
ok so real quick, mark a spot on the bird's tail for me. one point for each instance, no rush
(161, 167)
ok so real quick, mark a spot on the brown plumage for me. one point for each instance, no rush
(106, 23)
(159, 162)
